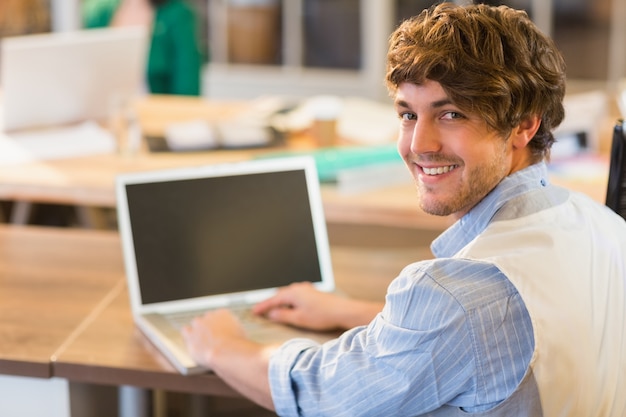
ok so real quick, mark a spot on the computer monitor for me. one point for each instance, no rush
(616, 188)
(57, 79)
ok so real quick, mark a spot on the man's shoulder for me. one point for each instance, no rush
(468, 282)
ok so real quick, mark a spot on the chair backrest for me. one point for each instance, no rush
(616, 188)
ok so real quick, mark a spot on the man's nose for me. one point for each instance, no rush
(425, 138)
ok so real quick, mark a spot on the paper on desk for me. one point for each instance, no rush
(81, 140)
(360, 120)
(367, 122)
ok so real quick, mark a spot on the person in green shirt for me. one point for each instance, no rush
(174, 59)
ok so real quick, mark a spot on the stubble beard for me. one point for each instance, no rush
(472, 187)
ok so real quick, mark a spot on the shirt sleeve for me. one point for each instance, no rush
(413, 357)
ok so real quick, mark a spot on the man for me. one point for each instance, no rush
(521, 313)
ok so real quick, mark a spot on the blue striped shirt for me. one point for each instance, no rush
(453, 331)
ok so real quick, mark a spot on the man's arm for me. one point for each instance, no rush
(217, 340)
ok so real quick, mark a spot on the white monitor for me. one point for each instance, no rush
(57, 79)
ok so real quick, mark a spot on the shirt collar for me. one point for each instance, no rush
(478, 218)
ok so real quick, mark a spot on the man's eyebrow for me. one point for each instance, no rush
(402, 103)
(434, 104)
(440, 103)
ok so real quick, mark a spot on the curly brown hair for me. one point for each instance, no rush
(490, 60)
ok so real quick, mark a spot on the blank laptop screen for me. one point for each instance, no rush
(199, 237)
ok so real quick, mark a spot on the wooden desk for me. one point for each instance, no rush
(64, 309)
(110, 350)
(50, 283)
(89, 181)
(63, 299)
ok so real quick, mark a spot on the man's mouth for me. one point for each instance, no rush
(439, 170)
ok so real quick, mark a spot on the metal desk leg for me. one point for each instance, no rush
(141, 402)
(134, 401)
(21, 212)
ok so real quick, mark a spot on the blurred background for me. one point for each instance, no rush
(304, 47)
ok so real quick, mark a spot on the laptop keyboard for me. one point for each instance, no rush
(244, 313)
(256, 327)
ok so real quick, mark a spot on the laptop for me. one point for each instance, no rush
(56, 79)
(220, 236)
(616, 188)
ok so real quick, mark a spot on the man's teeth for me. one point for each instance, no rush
(438, 170)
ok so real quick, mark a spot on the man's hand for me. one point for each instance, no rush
(206, 334)
(302, 305)
(218, 341)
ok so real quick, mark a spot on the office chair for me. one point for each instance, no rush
(616, 188)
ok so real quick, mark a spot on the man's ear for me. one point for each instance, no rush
(525, 131)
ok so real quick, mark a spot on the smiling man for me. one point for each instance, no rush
(522, 311)
(454, 156)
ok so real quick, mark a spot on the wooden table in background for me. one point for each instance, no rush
(88, 181)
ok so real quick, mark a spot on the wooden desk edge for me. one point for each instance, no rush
(25, 368)
(207, 384)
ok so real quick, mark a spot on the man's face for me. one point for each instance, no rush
(455, 159)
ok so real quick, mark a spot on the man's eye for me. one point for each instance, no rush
(452, 115)
(407, 116)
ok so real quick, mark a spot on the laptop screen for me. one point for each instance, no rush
(206, 235)
(616, 188)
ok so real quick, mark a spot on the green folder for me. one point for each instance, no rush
(329, 161)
